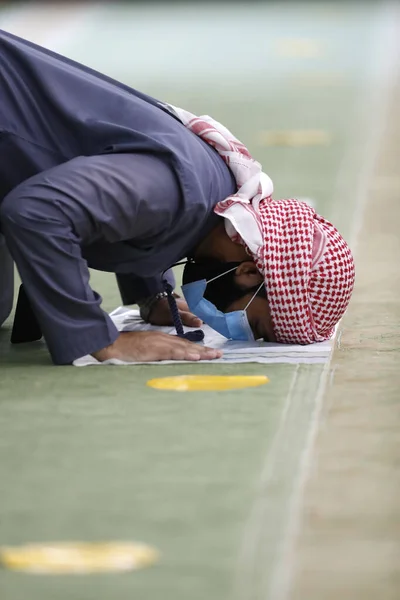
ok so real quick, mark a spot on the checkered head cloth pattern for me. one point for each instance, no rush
(308, 270)
(307, 266)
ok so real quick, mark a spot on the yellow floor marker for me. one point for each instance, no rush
(196, 383)
(295, 138)
(66, 558)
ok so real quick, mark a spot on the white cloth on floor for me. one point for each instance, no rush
(127, 319)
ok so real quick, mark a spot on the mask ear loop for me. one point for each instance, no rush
(230, 271)
(221, 275)
(250, 301)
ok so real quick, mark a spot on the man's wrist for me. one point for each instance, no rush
(146, 305)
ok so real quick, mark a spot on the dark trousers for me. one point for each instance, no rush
(48, 221)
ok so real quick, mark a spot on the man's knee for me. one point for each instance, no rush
(6, 210)
(36, 205)
(21, 207)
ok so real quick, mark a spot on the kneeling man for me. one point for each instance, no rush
(96, 174)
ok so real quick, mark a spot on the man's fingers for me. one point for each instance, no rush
(208, 353)
(184, 354)
(190, 320)
(143, 346)
(182, 305)
(161, 314)
(185, 350)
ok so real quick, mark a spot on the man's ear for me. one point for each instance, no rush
(247, 276)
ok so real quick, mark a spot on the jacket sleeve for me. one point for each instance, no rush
(133, 289)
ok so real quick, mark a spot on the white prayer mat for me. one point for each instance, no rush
(127, 319)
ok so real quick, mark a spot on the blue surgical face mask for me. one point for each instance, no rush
(233, 325)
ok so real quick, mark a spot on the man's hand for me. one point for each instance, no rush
(144, 346)
(161, 315)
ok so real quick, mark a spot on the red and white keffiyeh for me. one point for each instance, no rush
(307, 266)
